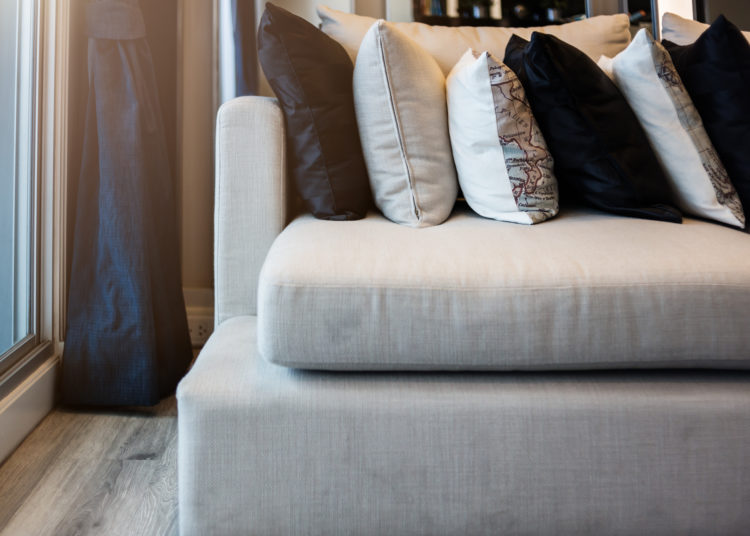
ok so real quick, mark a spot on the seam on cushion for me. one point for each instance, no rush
(284, 192)
(513, 289)
(502, 366)
(314, 124)
(218, 211)
(397, 119)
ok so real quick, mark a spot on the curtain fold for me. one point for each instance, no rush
(127, 340)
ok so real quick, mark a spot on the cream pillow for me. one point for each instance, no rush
(602, 35)
(645, 74)
(504, 166)
(682, 31)
(399, 99)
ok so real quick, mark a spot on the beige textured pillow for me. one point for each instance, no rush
(679, 30)
(604, 35)
(399, 99)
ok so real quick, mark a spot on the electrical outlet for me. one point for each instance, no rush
(199, 305)
(201, 327)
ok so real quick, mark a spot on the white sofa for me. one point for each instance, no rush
(659, 446)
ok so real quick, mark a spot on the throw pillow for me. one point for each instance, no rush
(683, 31)
(606, 34)
(646, 75)
(311, 74)
(399, 98)
(605, 64)
(601, 155)
(716, 73)
(504, 166)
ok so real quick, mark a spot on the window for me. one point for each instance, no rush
(18, 157)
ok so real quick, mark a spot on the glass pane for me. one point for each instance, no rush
(16, 170)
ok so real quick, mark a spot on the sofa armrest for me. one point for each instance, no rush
(250, 199)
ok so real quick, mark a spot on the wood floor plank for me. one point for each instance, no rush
(67, 490)
(84, 473)
(24, 469)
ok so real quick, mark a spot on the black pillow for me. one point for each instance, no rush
(716, 73)
(602, 156)
(311, 75)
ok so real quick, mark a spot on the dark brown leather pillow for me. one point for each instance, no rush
(311, 75)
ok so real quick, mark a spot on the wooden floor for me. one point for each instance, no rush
(82, 473)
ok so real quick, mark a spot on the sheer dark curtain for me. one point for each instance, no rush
(127, 340)
(245, 51)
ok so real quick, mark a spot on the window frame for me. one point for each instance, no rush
(48, 166)
(26, 207)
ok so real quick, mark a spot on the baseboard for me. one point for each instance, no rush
(199, 303)
(26, 405)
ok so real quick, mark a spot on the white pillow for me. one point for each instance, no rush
(684, 31)
(645, 74)
(504, 166)
(605, 34)
(399, 99)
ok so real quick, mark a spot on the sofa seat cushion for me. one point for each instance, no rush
(585, 291)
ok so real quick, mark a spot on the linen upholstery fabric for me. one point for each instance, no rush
(504, 166)
(606, 34)
(399, 97)
(311, 75)
(267, 450)
(391, 453)
(716, 73)
(250, 205)
(580, 292)
(683, 31)
(601, 154)
(646, 75)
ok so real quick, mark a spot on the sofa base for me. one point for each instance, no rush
(269, 450)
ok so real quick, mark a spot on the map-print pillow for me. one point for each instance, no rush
(646, 75)
(504, 166)
(602, 157)
(716, 73)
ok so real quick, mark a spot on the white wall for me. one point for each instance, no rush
(196, 143)
(683, 8)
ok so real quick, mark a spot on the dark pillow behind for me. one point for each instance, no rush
(602, 155)
(311, 75)
(716, 73)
